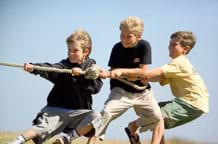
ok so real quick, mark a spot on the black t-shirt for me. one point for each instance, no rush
(129, 58)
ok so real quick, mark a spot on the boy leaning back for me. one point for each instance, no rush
(132, 54)
(69, 103)
(191, 94)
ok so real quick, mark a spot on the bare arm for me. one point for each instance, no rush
(154, 75)
(129, 72)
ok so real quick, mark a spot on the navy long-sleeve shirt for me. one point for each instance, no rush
(71, 92)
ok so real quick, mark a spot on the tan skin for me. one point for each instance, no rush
(155, 75)
(129, 40)
(76, 55)
(175, 50)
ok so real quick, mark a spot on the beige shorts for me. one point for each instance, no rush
(144, 104)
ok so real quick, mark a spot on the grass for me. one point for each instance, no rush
(9, 136)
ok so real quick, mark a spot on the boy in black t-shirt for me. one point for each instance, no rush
(132, 55)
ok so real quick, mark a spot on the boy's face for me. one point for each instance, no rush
(175, 49)
(76, 54)
(128, 39)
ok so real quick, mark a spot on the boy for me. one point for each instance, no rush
(132, 54)
(191, 94)
(69, 103)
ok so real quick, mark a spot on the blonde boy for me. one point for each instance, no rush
(132, 54)
(191, 94)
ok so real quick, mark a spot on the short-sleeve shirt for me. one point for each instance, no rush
(186, 83)
(129, 58)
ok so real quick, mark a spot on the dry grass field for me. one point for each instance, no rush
(8, 136)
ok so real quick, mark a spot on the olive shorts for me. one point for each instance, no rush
(177, 112)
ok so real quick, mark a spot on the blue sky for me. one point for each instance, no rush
(35, 31)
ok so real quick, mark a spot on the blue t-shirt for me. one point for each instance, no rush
(129, 58)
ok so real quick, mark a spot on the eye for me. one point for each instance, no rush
(129, 36)
(122, 35)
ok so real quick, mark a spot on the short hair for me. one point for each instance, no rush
(132, 24)
(185, 38)
(83, 37)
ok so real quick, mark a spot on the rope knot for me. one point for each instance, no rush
(92, 72)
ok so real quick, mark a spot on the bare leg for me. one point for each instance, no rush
(133, 127)
(84, 130)
(29, 134)
(133, 136)
(92, 140)
(162, 140)
(158, 133)
(76, 133)
(24, 137)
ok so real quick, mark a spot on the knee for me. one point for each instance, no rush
(107, 115)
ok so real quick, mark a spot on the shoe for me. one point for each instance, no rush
(133, 139)
(61, 140)
(13, 142)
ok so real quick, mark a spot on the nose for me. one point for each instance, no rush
(70, 53)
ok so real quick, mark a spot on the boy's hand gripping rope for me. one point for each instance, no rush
(90, 73)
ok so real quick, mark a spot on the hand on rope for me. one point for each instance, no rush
(92, 72)
(28, 67)
(118, 74)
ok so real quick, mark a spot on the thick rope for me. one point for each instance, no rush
(132, 84)
(11, 64)
(94, 71)
(40, 68)
(51, 69)
(90, 73)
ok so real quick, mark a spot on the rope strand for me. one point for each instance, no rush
(52, 69)
(11, 64)
(90, 73)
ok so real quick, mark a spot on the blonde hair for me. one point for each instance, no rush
(185, 38)
(83, 37)
(132, 24)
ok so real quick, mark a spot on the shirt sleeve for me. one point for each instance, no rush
(172, 70)
(145, 52)
(164, 81)
(113, 57)
(51, 76)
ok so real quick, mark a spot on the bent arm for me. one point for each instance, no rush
(129, 72)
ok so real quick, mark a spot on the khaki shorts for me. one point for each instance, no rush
(52, 120)
(144, 104)
(178, 112)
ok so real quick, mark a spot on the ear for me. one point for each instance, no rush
(186, 49)
(139, 36)
(86, 52)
